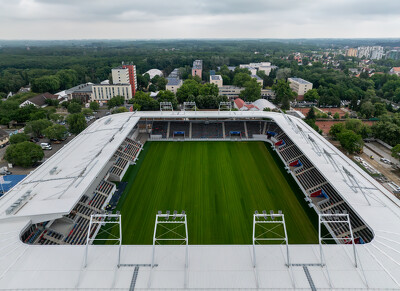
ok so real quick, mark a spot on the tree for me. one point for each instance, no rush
(209, 89)
(354, 125)
(380, 109)
(396, 151)
(116, 101)
(167, 96)
(311, 114)
(189, 88)
(119, 110)
(87, 111)
(145, 101)
(241, 78)
(283, 74)
(19, 137)
(37, 127)
(74, 108)
(283, 93)
(94, 106)
(68, 78)
(367, 109)
(350, 141)
(159, 82)
(56, 117)
(336, 129)
(336, 115)
(24, 154)
(252, 91)
(76, 123)
(56, 131)
(311, 95)
(46, 84)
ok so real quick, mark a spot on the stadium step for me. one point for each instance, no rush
(83, 215)
(347, 233)
(54, 240)
(91, 207)
(332, 206)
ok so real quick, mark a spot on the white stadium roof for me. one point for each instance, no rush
(56, 186)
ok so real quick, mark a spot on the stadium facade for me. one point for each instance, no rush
(73, 184)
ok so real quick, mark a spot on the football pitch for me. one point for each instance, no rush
(219, 185)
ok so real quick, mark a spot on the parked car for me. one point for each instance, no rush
(4, 171)
(46, 146)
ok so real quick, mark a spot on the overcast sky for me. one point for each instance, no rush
(149, 19)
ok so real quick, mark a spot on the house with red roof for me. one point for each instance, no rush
(395, 71)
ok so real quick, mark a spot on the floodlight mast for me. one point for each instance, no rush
(225, 105)
(164, 220)
(166, 106)
(270, 219)
(335, 218)
(190, 105)
(96, 219)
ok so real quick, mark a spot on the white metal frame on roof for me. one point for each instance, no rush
(84, 158)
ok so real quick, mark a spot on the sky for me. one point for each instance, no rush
(194, 19)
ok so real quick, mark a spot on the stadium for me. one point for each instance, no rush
(169, 200)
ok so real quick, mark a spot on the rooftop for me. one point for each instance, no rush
(174, 81)
(299, 80)
(216, 77)
(198, 64)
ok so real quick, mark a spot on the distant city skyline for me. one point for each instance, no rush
(160, 19)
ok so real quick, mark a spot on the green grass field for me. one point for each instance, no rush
(219, 185)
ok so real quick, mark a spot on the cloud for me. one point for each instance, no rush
(66, 19)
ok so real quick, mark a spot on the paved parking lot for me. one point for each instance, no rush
(47, 153)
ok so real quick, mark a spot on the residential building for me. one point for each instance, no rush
(197, 69)
(259, 80)
(266, 67)
(174, 74)
(217, 80)
(212, 72)
(268, 93)
(395, 71)
(39, 100)
(104, 92)
(173, 84)
(370, 52)
(252, 69)
(299, 85)
(4, 137)
(125, 74)
(393, 54)
(376, 53)
(230, 91)
(351, 52)
(240, 105)
(82, 92)
(230, 68)
(258, 105)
